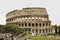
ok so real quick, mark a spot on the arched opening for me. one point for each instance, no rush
(36, 30)
(36, 24)
(33, 24)
(29, 24)
(22, 24)
(46, 30)
(32, 18)
(43, 24)
(19, 24)
(40, 24)
(43, 30)
(36, 18)
(32, 30)
(49, 30)
(40, 31)
(25, 24)
(29, 30)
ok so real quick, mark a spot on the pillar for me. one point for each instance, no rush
(38, 31)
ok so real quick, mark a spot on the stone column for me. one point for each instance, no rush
(44, 30)
(41, 27)
(31, 30)
(38, 31)
(27, 22)
(24, 20)
(45, 24)
(47, 30)
(34, 30)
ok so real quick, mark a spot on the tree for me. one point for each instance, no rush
(59, 30)
(11, 28)
(55, 29)
(1, 29)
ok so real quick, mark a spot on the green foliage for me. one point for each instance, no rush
(51, 34)
(55, 29)
(59, 30)
(13, 29)
(38, 37)
(23, 34)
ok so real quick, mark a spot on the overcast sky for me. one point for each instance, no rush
(52, 6)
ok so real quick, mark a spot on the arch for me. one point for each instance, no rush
(36, 18)
(32, 30)
(43, 30)
(36, 30)
(40, 31)
(25, 17)
(29, 24)
(25, 24)
(40, 24)
(46, 30)
(22, 18)
(32, 17)
(36, 24)
(29, 18)
(43, 24)
(33, 24)
(19, 24)
(39, 17)
(22, 24)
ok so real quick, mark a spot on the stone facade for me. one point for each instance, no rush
(32, 20)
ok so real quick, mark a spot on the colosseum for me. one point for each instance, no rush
(32, 20)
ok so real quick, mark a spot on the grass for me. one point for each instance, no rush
(38, 37)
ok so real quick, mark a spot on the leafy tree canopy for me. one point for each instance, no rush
(13, 29)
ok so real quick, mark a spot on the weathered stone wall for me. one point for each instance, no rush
(31, 19)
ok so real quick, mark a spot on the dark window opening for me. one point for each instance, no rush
(49, 30)
(46, 30)
(36, 24)
(32, 24)
(22, 25)
(40, 31)
(43, 30)
(25, 24)
(19, 24)
(36, 31)
(33, 30)
(40, 24)
(29, 29)
(32, 19)
(43, 25)
(29, 24)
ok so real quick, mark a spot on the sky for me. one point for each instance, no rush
(52, 7)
